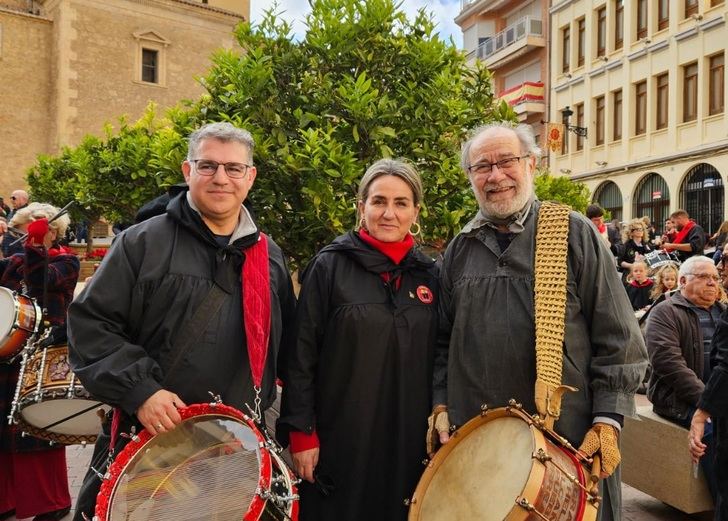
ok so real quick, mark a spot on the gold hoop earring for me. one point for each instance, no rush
(362, 224)
(419, 229)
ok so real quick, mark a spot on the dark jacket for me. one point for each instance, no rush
(696, 239)
(361, 374)
(122, 327)
(715, 397)
(61, 275)
(631, 249)
(675, 347)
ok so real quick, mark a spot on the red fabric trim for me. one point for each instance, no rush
(682, 234)
(256, 306)
(602, 228)
(61, 250)
(645, 284)
(396, 251)
(301, 441)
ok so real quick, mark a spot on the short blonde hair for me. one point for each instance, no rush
(35, 211)
(634, 223)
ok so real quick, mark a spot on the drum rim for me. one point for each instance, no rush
(535, 476)
(14, 328)
(121, 461)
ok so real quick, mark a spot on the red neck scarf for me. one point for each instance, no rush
(645, 283)
(602, 228)
(682, 234)
(396, 251)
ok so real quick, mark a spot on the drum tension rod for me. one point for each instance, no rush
(528, 507)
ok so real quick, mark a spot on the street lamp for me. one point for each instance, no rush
(566, 114)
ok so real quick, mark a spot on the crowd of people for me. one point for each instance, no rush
(386, 352)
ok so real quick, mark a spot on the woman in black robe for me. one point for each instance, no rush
(356, 388)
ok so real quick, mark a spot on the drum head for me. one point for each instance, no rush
(482, 475)
(7, 312)
(208, 467)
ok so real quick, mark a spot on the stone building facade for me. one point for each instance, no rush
(647, 79)
(70, 66)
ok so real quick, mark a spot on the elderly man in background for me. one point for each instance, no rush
(486, 351)
(678, 335)
(9, 246)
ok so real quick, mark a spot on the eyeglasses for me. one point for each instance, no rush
(705, 276)
(13, 197)
(504, 165)
(207, 167)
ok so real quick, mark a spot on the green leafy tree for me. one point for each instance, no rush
(364, 83)
(562, 189)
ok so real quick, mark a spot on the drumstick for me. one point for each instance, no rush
(60, 213)
(596, 469)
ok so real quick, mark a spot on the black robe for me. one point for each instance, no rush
(360, 374)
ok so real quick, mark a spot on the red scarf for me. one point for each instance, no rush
(644, 284)
(602, 228)
(60, 250)
(682, 234)
(256, 306)
(396, 251)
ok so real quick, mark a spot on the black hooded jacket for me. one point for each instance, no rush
(360, 375)
(122, 327)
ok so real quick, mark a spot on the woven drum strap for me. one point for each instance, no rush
(550, 302)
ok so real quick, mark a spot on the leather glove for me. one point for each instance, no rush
(37, 231)
(603, 438)
(437, 422)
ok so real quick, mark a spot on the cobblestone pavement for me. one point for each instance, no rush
(636, 505)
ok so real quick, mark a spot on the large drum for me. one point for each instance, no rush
(52, 403)
(504, 466)
(215, 465)
(659, 258)
(20, 318)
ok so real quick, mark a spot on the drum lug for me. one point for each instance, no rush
(483, 410)
(408, 501)
(425, 462)
(513, 404)
(541, 456)
(216, 400)
(528, 507)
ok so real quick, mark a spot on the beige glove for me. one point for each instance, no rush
(603, 438)
(437, 423)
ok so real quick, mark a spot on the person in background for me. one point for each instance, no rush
(651, 236)
(678, 333)
(4, 208)
(690, 237)
(33, 476)
(719, 239)
(712, 414)
(669, 233)
(665, 281)
(635, 245)
(356, 388)
(10, 245)
(639, 286)
(595, 214)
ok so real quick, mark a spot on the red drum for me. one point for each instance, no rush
(20, 318)
(503, 465)
(215, 465)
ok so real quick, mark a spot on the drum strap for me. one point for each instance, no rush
(552, 235)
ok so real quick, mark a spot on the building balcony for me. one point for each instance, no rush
(515, 40)
(526, 99)
(479, 7)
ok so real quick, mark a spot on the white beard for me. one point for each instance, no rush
(506, 208)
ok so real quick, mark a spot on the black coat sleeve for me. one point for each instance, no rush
(298, 405)
(715, 397)
(112, 367)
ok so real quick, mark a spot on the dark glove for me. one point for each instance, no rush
(37, 231)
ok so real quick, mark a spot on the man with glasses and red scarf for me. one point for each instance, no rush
(690, 238)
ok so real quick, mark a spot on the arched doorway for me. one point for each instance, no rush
(701, 195)
(652, 198)
(609, 196)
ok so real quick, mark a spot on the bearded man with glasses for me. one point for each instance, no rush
(486, 351)
(679, 333)
(193, 301)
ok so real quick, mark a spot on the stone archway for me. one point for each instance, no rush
(702, 196)
(609, 196)
(652, 198)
